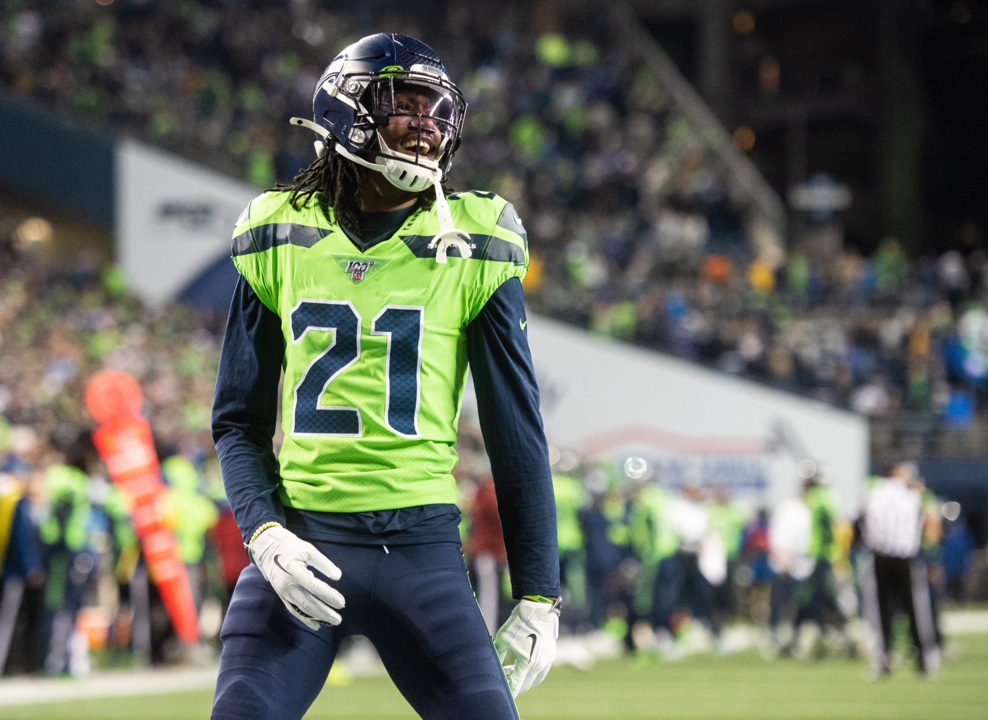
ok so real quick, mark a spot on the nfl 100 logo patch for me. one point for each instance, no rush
(358, 268)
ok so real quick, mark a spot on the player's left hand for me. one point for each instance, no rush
(526, 644)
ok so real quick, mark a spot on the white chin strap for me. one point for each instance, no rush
(407, 176)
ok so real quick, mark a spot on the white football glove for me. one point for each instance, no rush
(284, 560)
(526, 644)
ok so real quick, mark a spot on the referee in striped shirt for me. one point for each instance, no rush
(896, 576)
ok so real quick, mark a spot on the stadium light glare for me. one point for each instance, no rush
(769, 72)
(744, 138)
(951, 510)
(806, 468)
(33, 231)
(636, 468)
(743, 22)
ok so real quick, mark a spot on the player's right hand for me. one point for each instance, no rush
(284, 560)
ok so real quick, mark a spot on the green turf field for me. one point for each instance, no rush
(738, 687)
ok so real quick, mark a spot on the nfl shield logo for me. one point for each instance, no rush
(357, 269)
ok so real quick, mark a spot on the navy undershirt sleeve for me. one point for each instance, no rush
(245, 410)
(508, 407)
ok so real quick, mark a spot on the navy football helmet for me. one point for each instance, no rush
(355, 97)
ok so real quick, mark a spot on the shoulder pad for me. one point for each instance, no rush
(267, 207)
(479, 205)
(269, 220)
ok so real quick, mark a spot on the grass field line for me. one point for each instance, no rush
(161, 680)
(30, 690)
(963, 621)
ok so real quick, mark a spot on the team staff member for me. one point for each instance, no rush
(372, 291)
(897, 577)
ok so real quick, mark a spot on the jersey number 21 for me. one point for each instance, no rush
(401, 325)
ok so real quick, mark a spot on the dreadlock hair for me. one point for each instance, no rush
(334, 182)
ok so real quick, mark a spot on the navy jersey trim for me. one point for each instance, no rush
(264, 237)
(485, 194)
(403, 526)
(487, 247)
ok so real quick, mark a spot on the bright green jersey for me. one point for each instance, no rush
(728, 520)
(375, 350)
(653, 534)
(823, 503)
(571, 496)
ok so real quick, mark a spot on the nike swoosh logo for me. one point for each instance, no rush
(531, 652)
(277, 561)
(523, 324)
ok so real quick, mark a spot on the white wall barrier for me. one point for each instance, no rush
(612, 400)
(173, 218)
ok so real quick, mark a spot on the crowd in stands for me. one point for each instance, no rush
(635, 232)
(65, 527)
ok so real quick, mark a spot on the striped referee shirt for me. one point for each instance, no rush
(893, 521)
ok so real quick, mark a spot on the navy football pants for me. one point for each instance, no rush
(413, 602)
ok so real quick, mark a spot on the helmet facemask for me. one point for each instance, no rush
(438, 108)
(430, 103)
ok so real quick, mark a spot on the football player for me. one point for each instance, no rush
(371, 291)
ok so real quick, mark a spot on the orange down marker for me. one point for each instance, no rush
(123, 439)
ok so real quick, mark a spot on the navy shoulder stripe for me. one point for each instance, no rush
(485, 194)
(509, 220)
(264, 237)
(486, 247)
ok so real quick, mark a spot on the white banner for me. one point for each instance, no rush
(612, 400)
(173, 218)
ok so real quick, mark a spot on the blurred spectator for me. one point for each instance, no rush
(728, 520)
(957, 546)
(70, 563)
(789, 536)
(821, 607)
(571, 497)
(232, 557)
(702, 565)
(758, 574)
(656, 542)
(488, 558)
(603, 561)
(127, 627)
(193, 515)
(20, 558)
